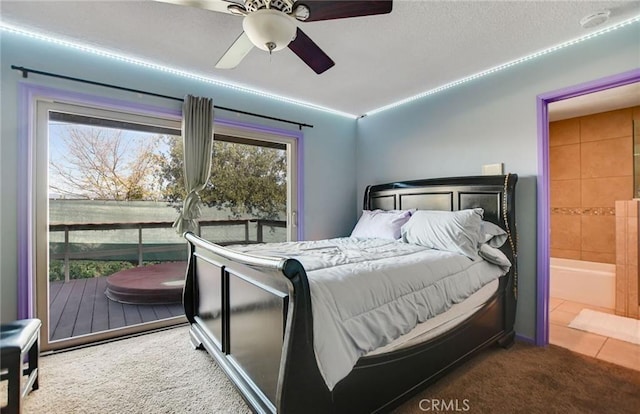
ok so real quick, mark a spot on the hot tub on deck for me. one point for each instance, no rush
(148, 285)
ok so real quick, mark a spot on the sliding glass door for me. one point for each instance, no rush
(107, 188)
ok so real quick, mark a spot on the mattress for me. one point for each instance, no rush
(443, 322)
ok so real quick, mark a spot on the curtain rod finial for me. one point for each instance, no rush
(25, 71)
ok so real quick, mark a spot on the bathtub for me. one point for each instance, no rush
(585, 282)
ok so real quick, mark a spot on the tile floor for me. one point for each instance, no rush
(562, 312)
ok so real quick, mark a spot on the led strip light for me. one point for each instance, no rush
(146, 64)
(128, 59)
(504, 66)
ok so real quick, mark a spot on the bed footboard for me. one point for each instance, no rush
(253, 315)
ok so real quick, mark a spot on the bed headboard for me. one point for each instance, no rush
(493, 193)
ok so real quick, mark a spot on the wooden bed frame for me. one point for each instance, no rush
(253, 314)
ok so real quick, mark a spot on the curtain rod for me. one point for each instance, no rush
(26, 71)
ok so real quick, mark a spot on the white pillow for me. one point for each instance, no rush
(453, 231)
(381, 224)
(492, 234)
(495, 256)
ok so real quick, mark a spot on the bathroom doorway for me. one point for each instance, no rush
(587, 165)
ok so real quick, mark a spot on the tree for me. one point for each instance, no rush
(246, 179)
(105, 164)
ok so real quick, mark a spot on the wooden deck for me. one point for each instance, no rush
(80, 307)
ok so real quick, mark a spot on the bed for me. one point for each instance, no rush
(253, 312)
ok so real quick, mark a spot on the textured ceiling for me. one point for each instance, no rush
(381, 59)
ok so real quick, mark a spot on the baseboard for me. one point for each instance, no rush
(525, 339)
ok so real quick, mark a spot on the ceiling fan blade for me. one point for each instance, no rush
(213, 5)
(340, 9)
(310, 53)
(236, 52)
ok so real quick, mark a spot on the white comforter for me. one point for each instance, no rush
(367, 292)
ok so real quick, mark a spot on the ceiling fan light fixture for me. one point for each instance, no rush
(269, 30)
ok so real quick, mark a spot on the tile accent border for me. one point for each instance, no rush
(584, 211)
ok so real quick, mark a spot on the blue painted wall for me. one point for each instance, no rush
(329, 202)
(489, 120)
(448, 134)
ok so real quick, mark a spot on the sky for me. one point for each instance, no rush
(59, 151)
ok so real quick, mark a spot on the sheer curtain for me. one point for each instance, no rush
(197, 141)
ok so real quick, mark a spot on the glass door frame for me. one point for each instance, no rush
(41, 222)
(33, 219)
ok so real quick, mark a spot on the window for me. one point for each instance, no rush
(107, 188)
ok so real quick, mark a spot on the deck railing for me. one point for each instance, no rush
(140, 249)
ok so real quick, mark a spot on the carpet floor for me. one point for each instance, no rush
(161, 373)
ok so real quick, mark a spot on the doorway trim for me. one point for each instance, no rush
(28, 94)
(543, 242)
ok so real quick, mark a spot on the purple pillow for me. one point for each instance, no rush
(381, 224)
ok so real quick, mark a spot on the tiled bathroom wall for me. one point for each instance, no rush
(591, 166)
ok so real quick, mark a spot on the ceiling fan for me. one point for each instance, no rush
(271, 25)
